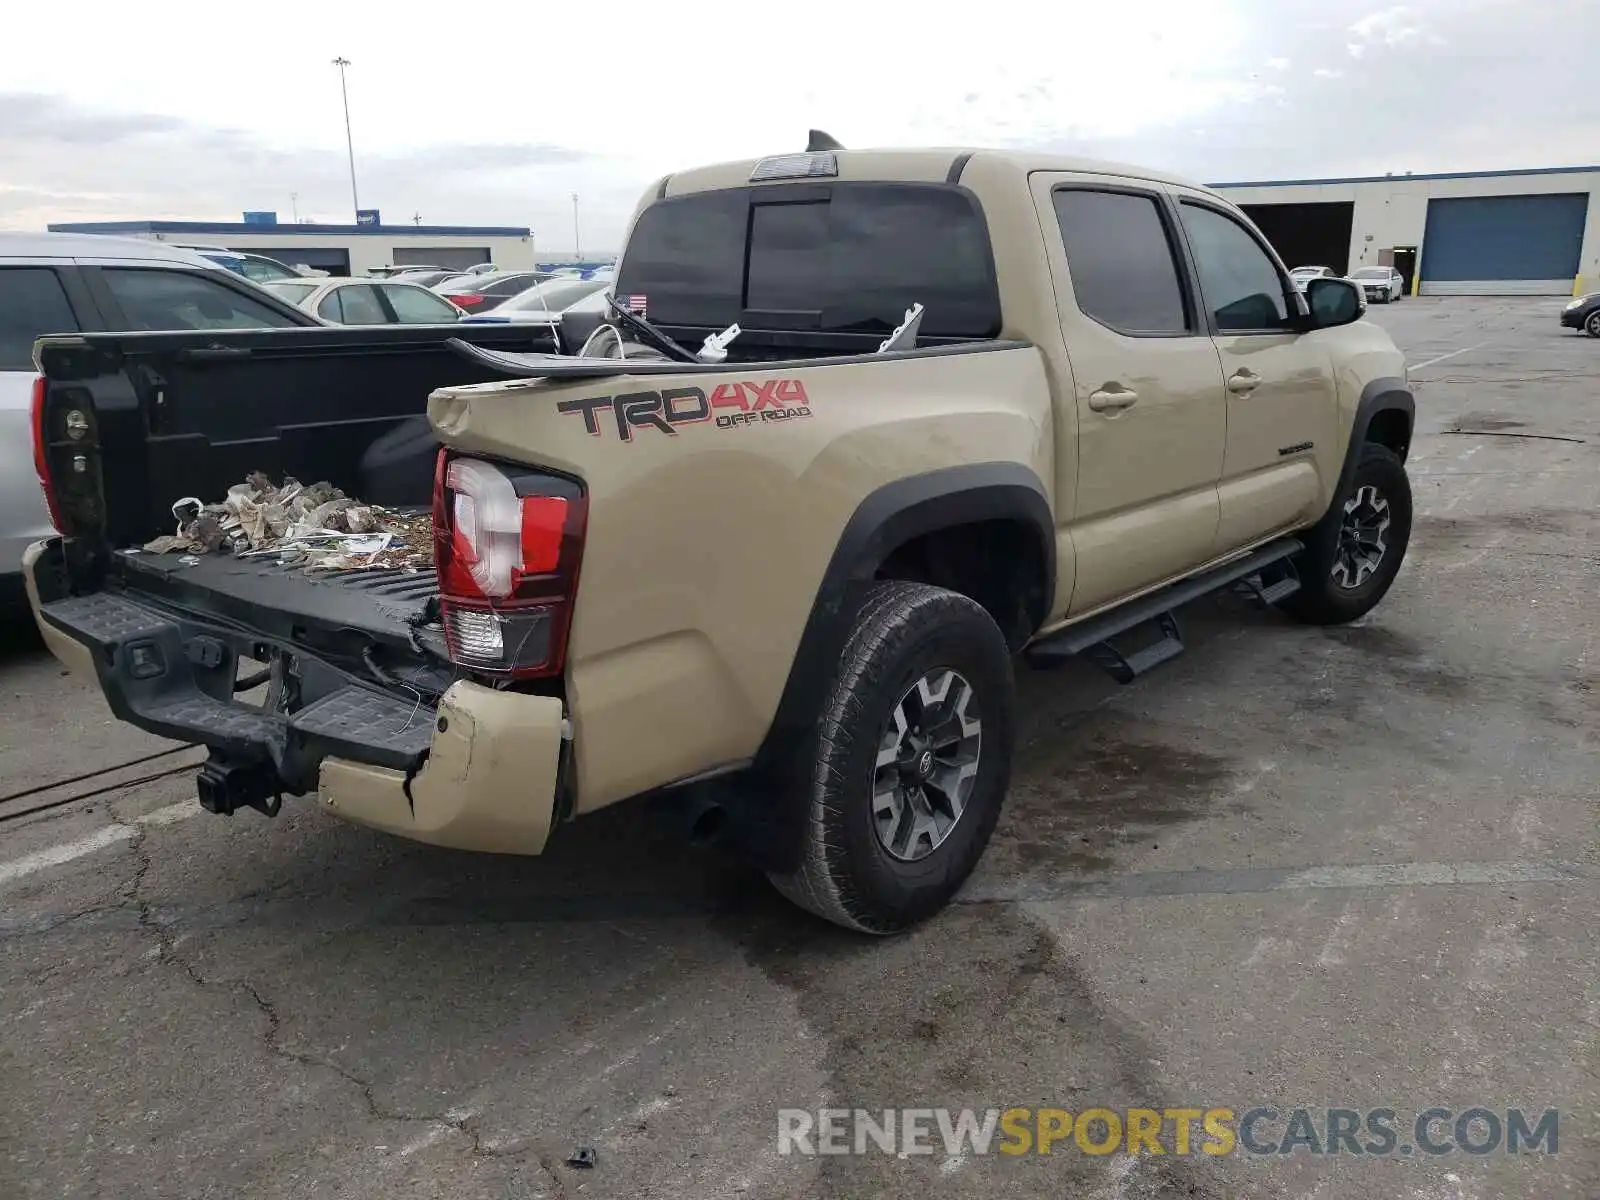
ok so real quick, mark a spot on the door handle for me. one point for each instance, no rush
(1112, 399)
(1243, 381)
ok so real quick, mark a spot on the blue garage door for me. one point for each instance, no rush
(1503, 245)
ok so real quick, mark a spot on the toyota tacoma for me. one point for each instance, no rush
(863, 432)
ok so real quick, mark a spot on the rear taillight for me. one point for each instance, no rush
(467, 300)
(508, 543)
(41, 455)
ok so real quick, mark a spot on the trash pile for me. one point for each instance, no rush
(316, 526)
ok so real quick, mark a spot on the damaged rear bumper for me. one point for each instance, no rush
(482, 771)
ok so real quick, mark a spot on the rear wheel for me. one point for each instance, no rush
(903, 780)
(1354, 554)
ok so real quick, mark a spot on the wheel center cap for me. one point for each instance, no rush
(925, 764)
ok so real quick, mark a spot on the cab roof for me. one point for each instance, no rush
(931, 165)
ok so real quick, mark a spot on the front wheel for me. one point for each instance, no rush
(1353, 554)
(1592, 325)
(903, 780)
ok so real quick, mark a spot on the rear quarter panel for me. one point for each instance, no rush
(706, 546)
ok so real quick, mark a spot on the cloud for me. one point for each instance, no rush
(1209, 91)
(53, 118)
(66, 163)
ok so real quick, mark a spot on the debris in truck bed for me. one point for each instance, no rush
(317, 527)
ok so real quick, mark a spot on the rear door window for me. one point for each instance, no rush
(184, 299)
(417, 306)
(1124, 271)
(835, 258)
(357, 304)
(32, 304)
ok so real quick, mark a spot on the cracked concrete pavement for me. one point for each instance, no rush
(1349, 868)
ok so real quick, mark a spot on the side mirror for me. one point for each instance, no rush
(1334, 302)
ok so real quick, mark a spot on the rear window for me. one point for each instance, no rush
(839, 258)
(32, 304)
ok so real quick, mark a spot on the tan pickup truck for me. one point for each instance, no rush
(979, 408)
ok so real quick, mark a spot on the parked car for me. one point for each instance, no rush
(401, 269)
(1382, 284)
(483, 268)
(257, 268)
(72, 283)
(807, 567)
(369, 301)
(427, 279)
(485, 292)
(543, 302)
(1583, 313)
(1304, 275)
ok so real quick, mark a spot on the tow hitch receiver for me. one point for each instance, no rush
(226, 787)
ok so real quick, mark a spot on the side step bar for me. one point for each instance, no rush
(1266, 574)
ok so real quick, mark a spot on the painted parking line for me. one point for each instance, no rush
(1442, 357)
(100, 839)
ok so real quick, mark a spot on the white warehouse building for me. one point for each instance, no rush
(339, 249)
(1491, 233)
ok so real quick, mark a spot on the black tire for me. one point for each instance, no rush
(1592, 325)
(1325, 600)
(900, 633)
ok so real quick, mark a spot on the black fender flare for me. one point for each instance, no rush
(1387, 393)
(886, 519)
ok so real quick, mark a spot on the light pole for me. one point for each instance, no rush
(349, 144)
(577, 243)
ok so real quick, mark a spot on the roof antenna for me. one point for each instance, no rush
(819, 141)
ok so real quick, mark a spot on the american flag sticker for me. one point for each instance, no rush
(635, 304)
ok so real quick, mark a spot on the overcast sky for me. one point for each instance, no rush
(483, 113)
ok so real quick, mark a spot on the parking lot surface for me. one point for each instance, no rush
(1351, 868)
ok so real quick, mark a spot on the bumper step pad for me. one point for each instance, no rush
(147, 670)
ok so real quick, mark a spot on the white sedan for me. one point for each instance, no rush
(1301, 276)
(368, 301)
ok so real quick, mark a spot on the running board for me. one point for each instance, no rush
(1093, 638)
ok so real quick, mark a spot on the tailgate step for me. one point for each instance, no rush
(355, 716)
(107, 618)
(193, 709)
(153, 678)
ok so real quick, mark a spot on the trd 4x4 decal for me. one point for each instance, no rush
(742, 403)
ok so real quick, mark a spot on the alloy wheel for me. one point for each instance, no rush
(927, 764)
(1362, 543)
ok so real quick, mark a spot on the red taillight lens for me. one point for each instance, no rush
(507, 548)
(467, 300)
(41, 455)
(544, 523)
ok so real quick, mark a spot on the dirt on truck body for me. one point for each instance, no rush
(865, 431)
